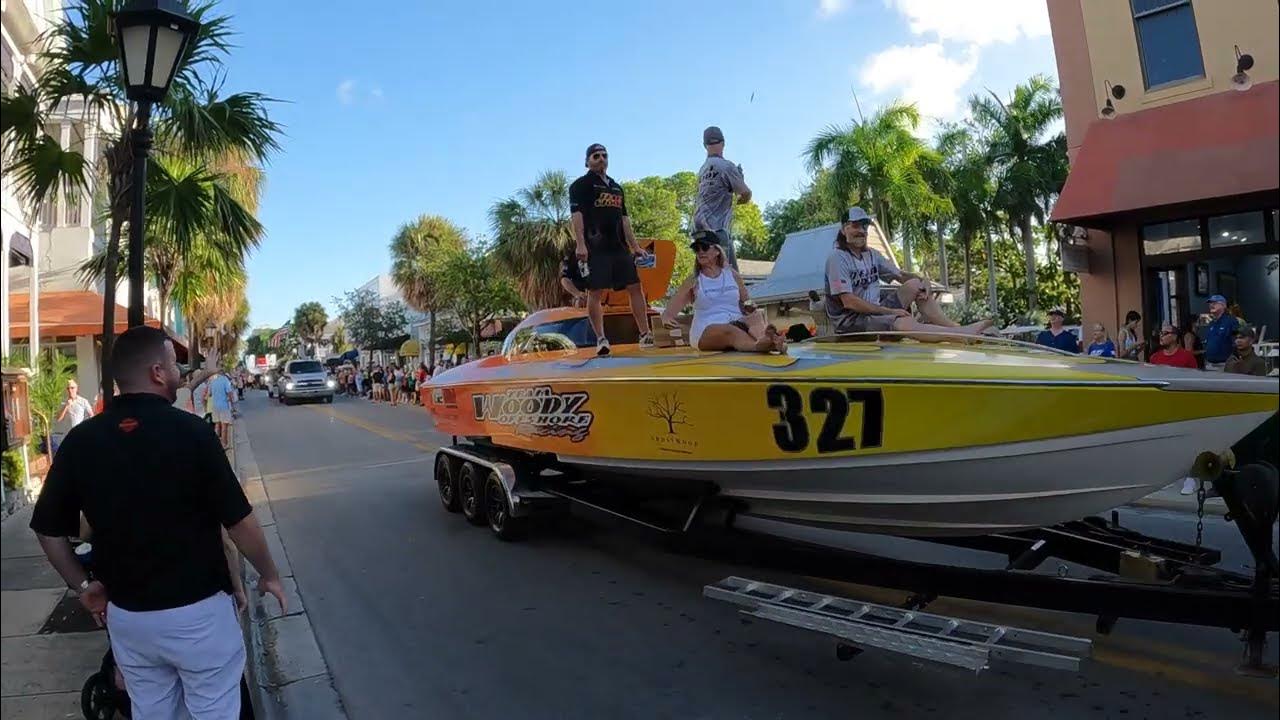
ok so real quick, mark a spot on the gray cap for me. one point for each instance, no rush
(857, 214)
(712, 135)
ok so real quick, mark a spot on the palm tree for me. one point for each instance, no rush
(309, 320)
(196, 121)
(412, 249)
(878, 160)
(970, 190)
(532, 232)
(1029, 167)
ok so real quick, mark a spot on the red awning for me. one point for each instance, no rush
(64, 314)
(1220, 145)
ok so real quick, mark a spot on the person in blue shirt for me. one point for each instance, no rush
(1219, 336)
(1058, 337)
(1101, 345)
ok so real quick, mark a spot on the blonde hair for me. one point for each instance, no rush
(697, 267)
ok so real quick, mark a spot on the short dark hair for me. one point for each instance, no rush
(1131, 316)
(135, 349)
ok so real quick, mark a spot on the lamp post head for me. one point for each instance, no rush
(153, 36)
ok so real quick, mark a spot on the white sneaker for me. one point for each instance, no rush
(1188, 486)
(602, 347)
(646, 341)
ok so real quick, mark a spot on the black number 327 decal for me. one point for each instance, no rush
(791, 432)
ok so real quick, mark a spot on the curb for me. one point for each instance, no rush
(288, 675)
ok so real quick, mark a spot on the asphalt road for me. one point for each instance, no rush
(420, 615)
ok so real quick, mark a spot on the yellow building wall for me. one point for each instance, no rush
(1221, 24)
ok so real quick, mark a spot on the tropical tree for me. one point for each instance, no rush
(309, 320)
(970, 190)
(197, 120)
(876, 160)
(257, 342)
(532, 233)
(685, 186)
(1029, 164)
(476, 290)
(370, 323)
(750, 233)
(412, 248)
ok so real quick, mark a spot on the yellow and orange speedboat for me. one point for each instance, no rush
(882, 435)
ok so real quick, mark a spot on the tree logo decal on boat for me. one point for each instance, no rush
(537, 411)
(670, 410)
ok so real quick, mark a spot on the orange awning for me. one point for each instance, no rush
(68, 313)
(1216, 146)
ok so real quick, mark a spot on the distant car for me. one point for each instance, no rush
(305, 380)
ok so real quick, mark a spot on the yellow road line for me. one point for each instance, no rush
(379, 430)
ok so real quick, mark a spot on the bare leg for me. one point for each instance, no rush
(945, 333)
(595, 311)
(639, 307)
(729, 337)
(913, 292)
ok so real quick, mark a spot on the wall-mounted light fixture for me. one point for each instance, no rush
(1113, 91)
(1244, 62)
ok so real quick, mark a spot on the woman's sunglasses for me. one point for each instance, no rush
(700, 246)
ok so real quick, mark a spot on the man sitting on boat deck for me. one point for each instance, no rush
(722, 315)
(852, 289)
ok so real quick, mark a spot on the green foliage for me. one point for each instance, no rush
(685, 186)
(47, 389)
(814, 207)
(532, 233)
(309, 320)
(475, 289)
(750, 233)
(256, 343)
(370, 323)
(653, 208)
(14, 467)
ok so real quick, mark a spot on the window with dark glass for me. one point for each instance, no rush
(1174, 237)
(1168, 43)
(1239, 229)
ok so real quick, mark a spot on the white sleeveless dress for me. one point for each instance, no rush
(715, 302)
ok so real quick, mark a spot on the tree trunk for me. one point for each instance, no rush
(431, 338)
(968, 266)
(109, 306)
(193, 342)
(1029, 253)
(164, 304)
(907, 261)
(943, 270)
(992, 300)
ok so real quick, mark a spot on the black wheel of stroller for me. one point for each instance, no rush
(471, 493)
(98, 697)
(447, 482)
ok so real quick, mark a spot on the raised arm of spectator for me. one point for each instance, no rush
(682, 297)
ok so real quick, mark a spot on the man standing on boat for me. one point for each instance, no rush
(605, 242)
(719, 182)
(852, 289)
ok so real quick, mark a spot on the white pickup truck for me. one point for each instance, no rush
(305, 380)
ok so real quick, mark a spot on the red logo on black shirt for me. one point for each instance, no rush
(128, 425)
(606, 199)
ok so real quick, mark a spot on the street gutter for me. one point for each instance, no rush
(288, 676)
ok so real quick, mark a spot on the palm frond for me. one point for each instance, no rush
(206, 125)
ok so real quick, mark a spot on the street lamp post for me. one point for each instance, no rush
(153, 36)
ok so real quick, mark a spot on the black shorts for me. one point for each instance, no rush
(612, 267)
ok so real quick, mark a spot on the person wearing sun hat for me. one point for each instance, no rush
(1057, 336)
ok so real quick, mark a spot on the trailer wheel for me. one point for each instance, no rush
(498, 511)
(447, 482)
(471, 493)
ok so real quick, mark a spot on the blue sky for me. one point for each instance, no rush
(399, 109)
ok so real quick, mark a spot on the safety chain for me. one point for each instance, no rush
(1201, 494)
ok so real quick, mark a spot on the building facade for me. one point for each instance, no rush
(1173, 133)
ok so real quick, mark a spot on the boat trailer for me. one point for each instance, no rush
(1143, 577)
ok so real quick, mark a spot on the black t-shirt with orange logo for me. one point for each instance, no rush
(156, 487)
(602, 206)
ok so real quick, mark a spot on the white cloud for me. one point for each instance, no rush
(346, 92)
(921, 74)
(827, 8)
(975, 22)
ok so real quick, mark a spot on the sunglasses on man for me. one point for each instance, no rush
(864, 224)
(599, 156)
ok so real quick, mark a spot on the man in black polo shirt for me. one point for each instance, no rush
(603, 236)
(157, 490)
(571, 280)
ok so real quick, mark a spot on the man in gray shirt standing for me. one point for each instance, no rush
(718, 182)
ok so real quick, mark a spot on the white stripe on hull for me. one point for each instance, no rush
(963, 491)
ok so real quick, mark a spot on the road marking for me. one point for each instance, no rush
(398, 462)
(379, 430)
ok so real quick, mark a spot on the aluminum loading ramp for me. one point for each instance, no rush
(951, 641)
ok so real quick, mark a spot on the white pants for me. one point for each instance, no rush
(183, 662)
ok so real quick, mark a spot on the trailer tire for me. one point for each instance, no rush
(471, 493)
(447, 483)
(498, 511)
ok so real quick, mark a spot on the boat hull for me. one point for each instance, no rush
(903, 441)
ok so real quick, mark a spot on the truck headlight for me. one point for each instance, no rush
(288, 385)
(331, 384)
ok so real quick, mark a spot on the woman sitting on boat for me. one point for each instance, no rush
(722, 316)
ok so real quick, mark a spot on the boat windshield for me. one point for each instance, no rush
(570, 334)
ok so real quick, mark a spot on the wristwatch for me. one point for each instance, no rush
(84, 585)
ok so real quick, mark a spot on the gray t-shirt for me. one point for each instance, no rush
(859, 275)
(718, 180)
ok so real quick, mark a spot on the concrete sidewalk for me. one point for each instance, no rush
(50, 645)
